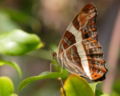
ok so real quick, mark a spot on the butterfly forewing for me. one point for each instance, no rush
(79, 50)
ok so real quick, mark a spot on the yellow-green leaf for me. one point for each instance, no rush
(6, 86)
(76, 86)
(93, 85)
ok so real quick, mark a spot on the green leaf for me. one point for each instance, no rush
(12, 64)
(44, 75)
(93, 86)
(6, 86)
(76, 86)
(18, 42)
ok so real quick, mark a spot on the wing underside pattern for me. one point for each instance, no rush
(79, 50)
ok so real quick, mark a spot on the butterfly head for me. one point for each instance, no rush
(54, 55)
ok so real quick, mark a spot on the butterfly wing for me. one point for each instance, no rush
(85, 58)
(71, 60)
(95, 59)
(84, 22)
(72, 50)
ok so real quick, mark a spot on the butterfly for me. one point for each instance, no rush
(79, 50)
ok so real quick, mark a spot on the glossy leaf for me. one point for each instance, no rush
(18, 42)
(44, 75)
(12, 64)
(76, 86)
(6, 86)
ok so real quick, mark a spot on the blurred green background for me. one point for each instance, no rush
(48, 19)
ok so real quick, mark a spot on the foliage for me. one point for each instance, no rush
(6, 87)
(12, 64)
(44, 75)
(14, 42)
(18, 42)
(76, 86)
(18, 29)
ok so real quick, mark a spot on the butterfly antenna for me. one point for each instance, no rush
(62, 89)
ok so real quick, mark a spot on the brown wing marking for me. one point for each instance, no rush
(95, 58)
(75, 22)
(73, 55)
(71, 60)
(89, 12)
(85, 21)
(67, 40)
(69, 64)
